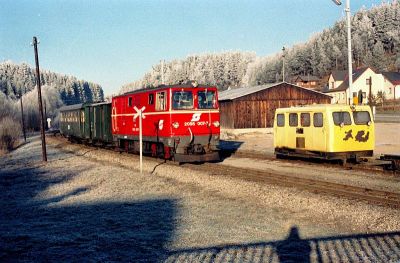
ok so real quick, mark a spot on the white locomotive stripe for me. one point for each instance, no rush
(166, 112)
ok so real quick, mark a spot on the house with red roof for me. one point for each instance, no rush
(365, 82)
(391, 82)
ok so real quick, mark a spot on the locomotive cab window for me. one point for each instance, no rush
(206, 99)
(305, 119)
(182, 100)
(160, 101)
(318, 119)
(151, 99)
(293, 119)
(361, 117)
(341, 117)
(280, 120)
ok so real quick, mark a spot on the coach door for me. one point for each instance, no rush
(318, 132)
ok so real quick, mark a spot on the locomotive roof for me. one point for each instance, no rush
(165, 87)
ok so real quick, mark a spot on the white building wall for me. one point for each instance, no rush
(362, 84)
(391, 91)
(332, 84)
(338, 97)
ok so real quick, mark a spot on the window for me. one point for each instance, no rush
(355, 95)
(390, 90)
(151, 99)
(130, 102)
(293, 119)
(361, 117)
(182, 100)
(318, 119)
(368, 81)
(206, 99)
(160, 100)
(341, 117)
(364, 95)
(305, 119)
(280, 120)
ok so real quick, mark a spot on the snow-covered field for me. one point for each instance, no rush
(89, 204)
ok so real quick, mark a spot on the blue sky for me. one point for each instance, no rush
(116, 41)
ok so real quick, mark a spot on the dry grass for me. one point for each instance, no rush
(10, 132)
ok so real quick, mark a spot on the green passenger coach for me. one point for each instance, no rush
(87, 122)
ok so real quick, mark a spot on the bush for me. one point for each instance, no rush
(10, 132)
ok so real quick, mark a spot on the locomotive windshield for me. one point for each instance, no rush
(207, 99)
(182, 100)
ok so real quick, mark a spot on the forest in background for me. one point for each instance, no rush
(18, 80)
(375, 43)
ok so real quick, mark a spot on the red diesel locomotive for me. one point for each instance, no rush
(179, 122)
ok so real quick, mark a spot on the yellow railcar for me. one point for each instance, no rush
(328, 131)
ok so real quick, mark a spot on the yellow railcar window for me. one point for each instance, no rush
(280, 120)
(293, 119)
(341, 117)
(318, 119)
(305, 119)
(361, 117)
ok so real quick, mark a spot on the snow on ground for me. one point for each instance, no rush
(89, 204)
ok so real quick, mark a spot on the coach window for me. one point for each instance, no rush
(361, 117)
(182, 100)
(151, 99)
(130, 102)
(341, 117)
(160, 101)
(293, 119)
(280, 120)
(318, 119)
(305, 119)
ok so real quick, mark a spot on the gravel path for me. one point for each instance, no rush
(90, 204)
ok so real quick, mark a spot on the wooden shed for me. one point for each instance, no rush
(254, 107)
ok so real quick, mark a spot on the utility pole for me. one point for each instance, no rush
(22, 116)
(347, 10)
(44, 154)
(349, 53)
(283, 64)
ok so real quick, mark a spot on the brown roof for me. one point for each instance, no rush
(307, 78)
(240, 92)
(393, 77)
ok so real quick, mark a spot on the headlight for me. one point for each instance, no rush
(175, 125)
(216, 123)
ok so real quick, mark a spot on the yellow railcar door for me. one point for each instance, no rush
(304, 132)
(319, 130)
(292, 138)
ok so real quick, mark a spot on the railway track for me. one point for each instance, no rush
(312, 185)
(377, 166)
